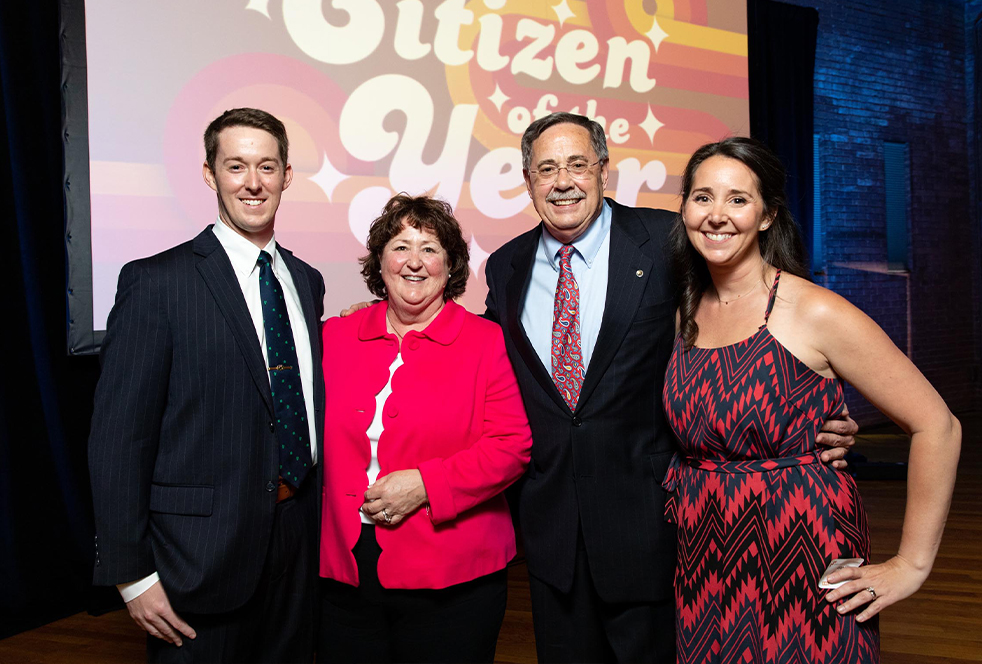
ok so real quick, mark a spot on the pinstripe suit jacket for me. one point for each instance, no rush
(182, 455)
(599, 467)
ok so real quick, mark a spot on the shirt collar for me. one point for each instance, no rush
(587, 245)
(241, 253)
(443, 329)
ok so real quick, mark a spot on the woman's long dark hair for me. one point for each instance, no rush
(780, 244)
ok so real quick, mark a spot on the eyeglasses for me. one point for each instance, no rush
(578, 169)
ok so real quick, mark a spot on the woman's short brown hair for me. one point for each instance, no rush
(422, 213)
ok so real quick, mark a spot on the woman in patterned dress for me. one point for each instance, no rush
(754, 372)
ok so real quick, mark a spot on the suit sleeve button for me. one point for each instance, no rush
(577, 421)
(270, 486)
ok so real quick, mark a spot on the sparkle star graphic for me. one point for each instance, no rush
(477, 256)
(498, 98)
(563, 12)
(656, 34)
(328, 177)
(651, 125)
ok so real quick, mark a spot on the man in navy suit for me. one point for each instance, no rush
(586, 303)
(212, 545)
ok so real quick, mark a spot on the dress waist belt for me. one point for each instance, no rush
(733, 467)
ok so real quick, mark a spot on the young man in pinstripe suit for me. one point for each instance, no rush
(213, 552)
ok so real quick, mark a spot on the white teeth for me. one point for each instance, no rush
(411, 278)
(719, 237)
(252, 202)
(566, 202)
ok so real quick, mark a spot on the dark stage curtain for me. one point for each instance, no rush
(45, 396)
(781, 49)
(976, 55)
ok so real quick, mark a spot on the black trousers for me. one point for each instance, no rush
(276, 625)
(579, 626)
(370, 623)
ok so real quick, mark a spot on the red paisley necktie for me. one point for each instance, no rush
(567, 359)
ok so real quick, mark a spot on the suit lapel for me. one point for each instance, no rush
(624, 290)
(304, 292)
(216, 270)
(515, 291)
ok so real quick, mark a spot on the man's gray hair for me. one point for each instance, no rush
(597, 138)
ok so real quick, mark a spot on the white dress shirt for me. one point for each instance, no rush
(376, 428)
(244, 256)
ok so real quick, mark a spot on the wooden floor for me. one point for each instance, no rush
(940, 624)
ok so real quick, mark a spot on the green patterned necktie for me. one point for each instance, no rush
(292, 430)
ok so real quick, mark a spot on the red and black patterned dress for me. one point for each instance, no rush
(759, 516)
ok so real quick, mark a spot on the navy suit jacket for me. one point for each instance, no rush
(599, 467)
(182, 454)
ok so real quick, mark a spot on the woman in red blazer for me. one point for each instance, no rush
(424, 429)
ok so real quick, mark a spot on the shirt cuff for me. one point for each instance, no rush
(130, 591)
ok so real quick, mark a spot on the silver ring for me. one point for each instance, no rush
(385, 515)
(872, 592)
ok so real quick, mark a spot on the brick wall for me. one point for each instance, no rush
(896, 71)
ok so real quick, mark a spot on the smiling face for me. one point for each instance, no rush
(724, 212)
(249, 178)
(415, 272)
(567, 206)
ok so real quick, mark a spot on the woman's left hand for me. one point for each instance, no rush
(394, 496)
(892, 581)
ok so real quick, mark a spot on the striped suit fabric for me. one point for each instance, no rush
(183, 457)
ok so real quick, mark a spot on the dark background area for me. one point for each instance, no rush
(902, 71)
(45, 395)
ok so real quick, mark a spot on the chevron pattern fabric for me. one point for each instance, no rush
(759, 517)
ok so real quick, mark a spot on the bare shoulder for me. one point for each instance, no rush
(813, 304)
(831, 321)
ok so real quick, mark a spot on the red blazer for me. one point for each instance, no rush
(455, 414)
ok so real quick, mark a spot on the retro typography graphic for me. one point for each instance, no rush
(380, 97)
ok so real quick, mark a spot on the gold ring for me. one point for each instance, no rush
(385, 515)
(872, 592)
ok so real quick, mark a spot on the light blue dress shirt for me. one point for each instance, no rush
(590, 262)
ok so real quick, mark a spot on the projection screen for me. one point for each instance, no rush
(380, 97)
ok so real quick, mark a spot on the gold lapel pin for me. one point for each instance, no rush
(640, 273)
